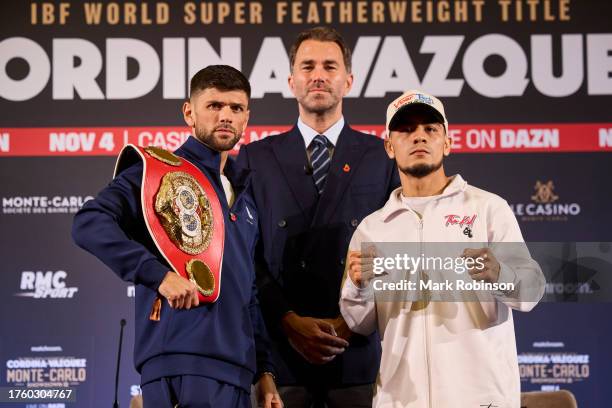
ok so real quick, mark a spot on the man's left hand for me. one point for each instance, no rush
(267, 395)
(341, 328)
(486, 268)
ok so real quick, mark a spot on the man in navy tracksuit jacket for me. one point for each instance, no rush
(193, 356)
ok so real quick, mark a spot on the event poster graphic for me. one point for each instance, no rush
(45, 362)
(527, 86)
(551, 367)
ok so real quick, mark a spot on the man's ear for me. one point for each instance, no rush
(389, 147)
(447, 145)
(246, 122)
(349, 84)
(291, 83)
(188, 114)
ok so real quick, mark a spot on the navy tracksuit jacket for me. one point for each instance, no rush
(225, 340)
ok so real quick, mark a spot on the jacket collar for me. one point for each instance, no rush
(332, 134)
(290, 152)
(348, 152)
(239, 176)
(395, 204)
(203, 155)
(291, 155)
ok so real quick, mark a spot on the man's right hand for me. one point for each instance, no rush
(361, 267)
(314, 339)
(180, 292)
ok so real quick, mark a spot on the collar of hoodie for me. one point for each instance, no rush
(395, 204)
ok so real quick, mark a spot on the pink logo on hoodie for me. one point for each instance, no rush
(462, 221)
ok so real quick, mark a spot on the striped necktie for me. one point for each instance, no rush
(320, 160)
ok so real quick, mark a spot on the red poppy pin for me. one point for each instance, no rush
(346, 168)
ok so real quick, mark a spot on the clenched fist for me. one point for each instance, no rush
(180, 292)
(361, 266)
(490, 269)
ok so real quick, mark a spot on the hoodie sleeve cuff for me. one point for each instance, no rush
(264, 369)
(151, 274)
(506, 275)
(352, 291)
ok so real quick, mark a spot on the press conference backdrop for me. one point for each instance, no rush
(527, 86)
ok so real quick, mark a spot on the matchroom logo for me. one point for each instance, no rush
(45, 285)
(545, 205)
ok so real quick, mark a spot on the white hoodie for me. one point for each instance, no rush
(447, 354)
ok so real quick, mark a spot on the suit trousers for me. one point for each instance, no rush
(356, 396)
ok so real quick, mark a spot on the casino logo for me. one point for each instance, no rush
(544, 193)
(545, 205)
(24, 205)
(45, 285)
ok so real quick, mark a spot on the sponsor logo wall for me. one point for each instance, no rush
(43, 285)
(42, 204)
(545, 205)
(527, 86)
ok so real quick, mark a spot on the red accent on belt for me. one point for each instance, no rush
(154, 171)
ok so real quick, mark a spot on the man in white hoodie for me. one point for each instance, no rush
(440, 354)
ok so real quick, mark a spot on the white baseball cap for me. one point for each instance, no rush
(416, 99)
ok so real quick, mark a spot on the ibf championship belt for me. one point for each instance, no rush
(183, 215)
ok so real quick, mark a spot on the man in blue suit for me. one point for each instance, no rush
(312, 186)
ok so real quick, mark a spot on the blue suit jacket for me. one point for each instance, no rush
(304, 240)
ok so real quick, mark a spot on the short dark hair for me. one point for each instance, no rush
(321, 34)
(221, 77)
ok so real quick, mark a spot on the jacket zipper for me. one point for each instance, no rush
(426, 301)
